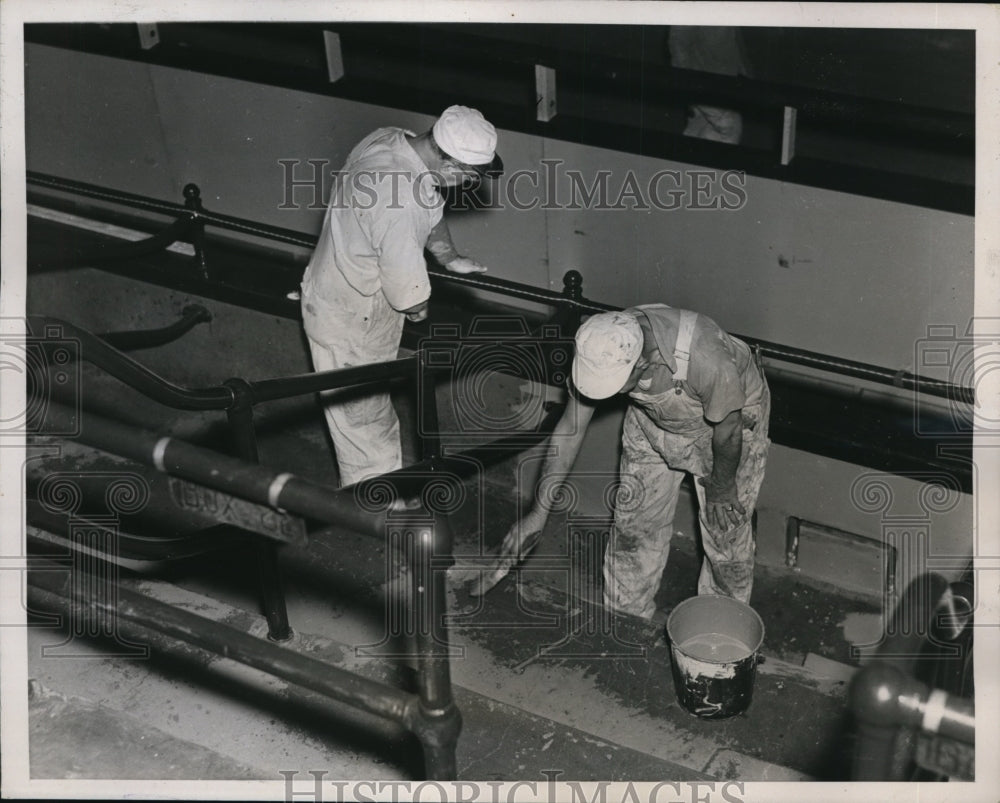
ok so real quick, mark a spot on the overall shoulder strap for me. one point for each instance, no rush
(682, 348)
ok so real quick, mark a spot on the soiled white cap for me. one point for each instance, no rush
(608, 346)
(465, 135)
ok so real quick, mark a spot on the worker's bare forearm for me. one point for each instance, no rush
(564, 445)
(727, 448)
(440, 244)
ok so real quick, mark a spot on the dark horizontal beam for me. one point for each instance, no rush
(896, 436)
(395, 65)
(303, 384)
(453, 47)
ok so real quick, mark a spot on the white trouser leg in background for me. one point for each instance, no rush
(364, 426)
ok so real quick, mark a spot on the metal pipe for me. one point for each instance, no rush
(195, 214)
(240, 416)
(310, 673)
(431, 544)
(94, 349)
(427, 542)
(889, 703)
(517, 290)
(435, 720)
(428, 426)
(191, 316)
(860, 370)
(300, 384)
(885, 701)
(123, 367)
(228, 474)
(572, 297)
(166, 207)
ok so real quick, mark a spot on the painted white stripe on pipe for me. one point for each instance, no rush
(158, 453)
(934, 709)
(275, 489)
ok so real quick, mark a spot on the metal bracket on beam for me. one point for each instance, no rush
(334, 56)
(788, 135)
(149, 35)
(545, 93)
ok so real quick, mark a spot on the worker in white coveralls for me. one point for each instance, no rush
(368, 273)
(699, 405)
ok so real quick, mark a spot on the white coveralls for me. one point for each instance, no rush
(668, 432)
(368, 266)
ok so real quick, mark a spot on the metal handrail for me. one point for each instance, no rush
(571, 298)
(431, 714)
(97, 351)
(127, 340)
(435, 720)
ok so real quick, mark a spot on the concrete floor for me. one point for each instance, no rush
(542, 683)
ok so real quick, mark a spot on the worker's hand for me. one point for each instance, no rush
(521, 538)
(723, 508)
(465, 265)
(416, 314)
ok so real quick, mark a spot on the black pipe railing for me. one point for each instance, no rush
(191, 208)
(570, 303)
(191, 316)
(137, 616)
(437, 722)
(301, 384)
(122, 367)
(432, 715)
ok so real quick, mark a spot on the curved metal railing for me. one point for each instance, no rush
(431, 713)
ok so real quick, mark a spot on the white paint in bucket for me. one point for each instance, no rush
(714, 642)
(715, 647)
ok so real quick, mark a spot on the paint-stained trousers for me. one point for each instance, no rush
(356, 331)
(637, 552)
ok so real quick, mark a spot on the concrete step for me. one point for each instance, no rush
(75, 738)
(524, 716)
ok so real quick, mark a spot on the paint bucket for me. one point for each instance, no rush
(714, 647)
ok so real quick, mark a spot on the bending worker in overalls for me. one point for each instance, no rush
(699, 405)
(368, 273)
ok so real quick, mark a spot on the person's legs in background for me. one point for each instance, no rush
(364, 428)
